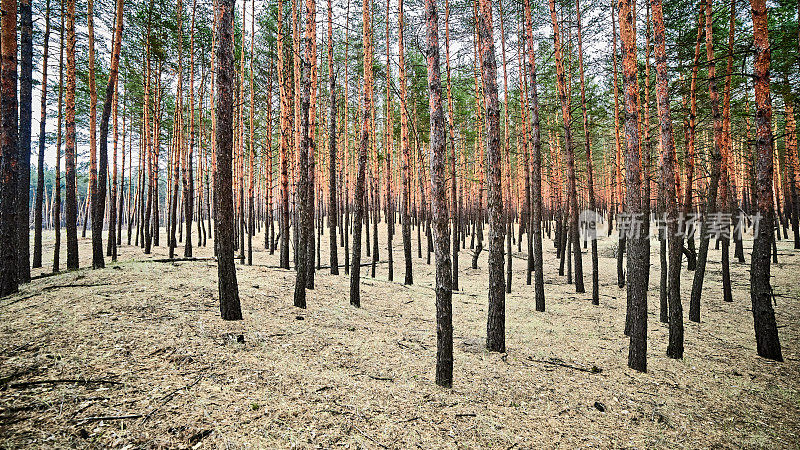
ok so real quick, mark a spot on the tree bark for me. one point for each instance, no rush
(71, 207)
(638, 246)
(25, 118)
(358, 216)
(230, 307)
(766, 330)
(669, 188)
(39, 200)
(534, 226)
(9, 146)
(495, 325)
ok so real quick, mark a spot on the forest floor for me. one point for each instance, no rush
(157, 367)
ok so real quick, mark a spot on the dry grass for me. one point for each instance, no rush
(364, 377)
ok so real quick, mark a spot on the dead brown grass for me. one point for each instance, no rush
(363, 378)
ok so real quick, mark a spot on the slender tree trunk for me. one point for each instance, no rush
(9, 148)
(311, 56)
(716, 166)
(333, 215)
(230, 307)
(285, 130)
(99, 205)
(39, 200)
(97, 177)
(638, 245)
(71, 207)
(534, 226)
(495, 325)
(404, 145)
(566, 113)
(766, 330)
(455, 213)
(358, 217)
(188, 186)
(57, 193)
(444, 294)
(669, 188)
(589, 174)
(25, 118)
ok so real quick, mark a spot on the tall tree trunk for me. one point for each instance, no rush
(589, 175)
(71, 207)
(668, 181)
(358, 217)
(9, 149)
(333, 215)
(496, 322)
(766, 330)
(305, 213)
(285, 130)
(57, 189)
(25, 117)
(689, 231)
(404, 145)
(618, 154)
(188, 185)
(638, 245)
(716, 165)
(566, 113)
(99, 205)
(311, 56)
(444, 294)
(450, 113)
(39, 200)
(230, 307)
(534, 226)
(97, 176)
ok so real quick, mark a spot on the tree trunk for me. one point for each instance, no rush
(71, 207)
(638, 245)
(766, 329)
(99, 205)
(716, 165)
(669, 188)
(589, 175)
(39, 200)
(25, 117)
(333, 214)
(534, 226)
(444, 294)
(495, 325)
(9, 148)
(566, 113)
(404, 145)
(358, 216)
(226, 270)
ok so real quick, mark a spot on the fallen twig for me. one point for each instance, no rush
(593, 369)
(99, 418)
(24, 384)
(168, 260)
(381, 378)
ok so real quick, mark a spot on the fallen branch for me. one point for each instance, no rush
(168, 260)
(25, 384)
(593, 369)
(381, 378)
(99, 418)
(59, 286)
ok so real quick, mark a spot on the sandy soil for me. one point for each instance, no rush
(146, 341)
